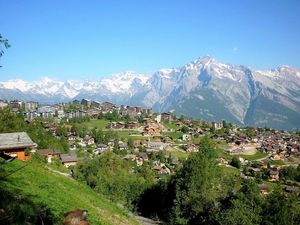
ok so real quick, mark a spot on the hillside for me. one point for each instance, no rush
(28, 188)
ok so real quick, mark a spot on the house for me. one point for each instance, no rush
(89, 140)
(101, 148)
(46, 111)
(86, 102)
(68, 159)
(31, 106)
(217, 125)
(96, 104)
(147, 112)
(186, 137)
(166, 117)
(107, 106)
(143, 156)
(123, 146)
(49, 154)
(3, 104)
(132, 125)
(155, 146)
(273, 175)
(190, 148)
(15, 144)
(291, 188)
(116, 125)
(151, 131)
(130, 157)
(264, 189)
(71, 137)
(16, 105)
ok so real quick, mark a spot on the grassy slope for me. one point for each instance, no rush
(61, 194)
(256, 156)
(97, 123)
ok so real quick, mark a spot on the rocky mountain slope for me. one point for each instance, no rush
(204, 88)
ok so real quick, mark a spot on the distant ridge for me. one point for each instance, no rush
(204, 88)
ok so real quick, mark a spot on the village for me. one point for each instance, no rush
(162, 141)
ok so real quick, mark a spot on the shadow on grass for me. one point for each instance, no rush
(16, 208)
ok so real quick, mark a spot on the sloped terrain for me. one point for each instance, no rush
(27, 189)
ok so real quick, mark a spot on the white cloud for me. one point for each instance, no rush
(235, 49)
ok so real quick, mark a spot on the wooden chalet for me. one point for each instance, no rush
(15, 144)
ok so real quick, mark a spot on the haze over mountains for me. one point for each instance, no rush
(204, 88)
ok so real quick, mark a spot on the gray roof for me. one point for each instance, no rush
(68, 158)
(15, 140)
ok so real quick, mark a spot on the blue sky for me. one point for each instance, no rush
(71, 39)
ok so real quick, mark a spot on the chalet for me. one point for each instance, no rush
(264, 189)
(116, 125)
(49, 154)
(71, 137)
(107, 106)
(89, 140)
(130, 157)
(161, 169)
(46, 111)
(15, 105)
(123, 146)
(69, 159)
(186, 137)
(96, 104)
(148, 122)
(175, 161)
(151, 131)
(101, 148)
(94, 113)
(147, 112)
(254, 170)
(190, 148)
(155, 146)
(86, 102)
(143, 156)
(291, 188)
(132, 125)
(273, 175)
(166, 117)
(15, 144)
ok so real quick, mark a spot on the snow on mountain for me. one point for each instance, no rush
(204, 88)
(126, 82)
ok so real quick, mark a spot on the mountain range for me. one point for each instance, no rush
(204, 88)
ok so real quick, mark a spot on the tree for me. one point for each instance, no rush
(242, 208)
(235, 162)
(197, 188)
(3, 43)
(11, 122)
(111, 175)
(207, 147)
(184, 129)
(281, 209)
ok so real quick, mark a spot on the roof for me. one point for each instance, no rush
(68, 158)
(15, 140)
(48, 152)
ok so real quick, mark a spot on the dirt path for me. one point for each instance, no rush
(60, 173)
